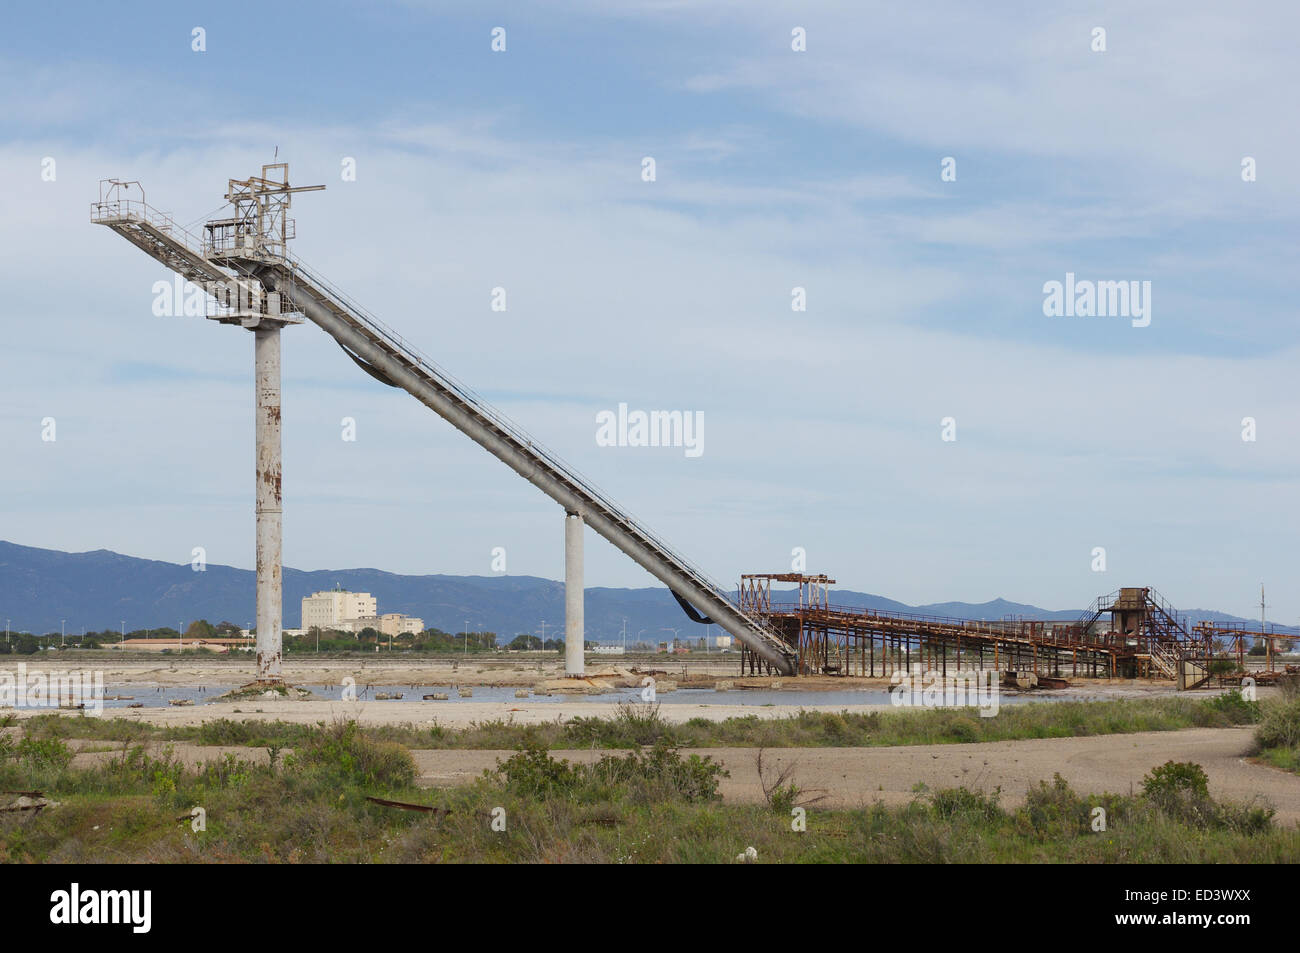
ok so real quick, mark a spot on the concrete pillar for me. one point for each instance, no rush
(269, 581)
(573, 596)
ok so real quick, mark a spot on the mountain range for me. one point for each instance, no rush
(44, 589)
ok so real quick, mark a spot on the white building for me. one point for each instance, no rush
(394, 624)
(329, 610)
(388, 624)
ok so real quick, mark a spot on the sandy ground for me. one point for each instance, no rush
(120, 674)
(423, 714)
(381, 670)
(854, 777)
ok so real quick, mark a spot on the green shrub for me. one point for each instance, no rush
(1288, 686)
(343, 751)
(784, 797)
(533, 773)
(1176, 779)
(953, 803)
(1235, 709)
(44, 753)
(1280, 727)
(1244, 818)
(633, 726)
(662, 768)
(1180, 790)
(660, 772)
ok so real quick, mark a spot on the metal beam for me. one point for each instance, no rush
(341, 326)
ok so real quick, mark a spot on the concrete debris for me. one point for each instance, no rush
(29, 803)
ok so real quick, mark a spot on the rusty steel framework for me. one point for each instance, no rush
(1144, 638)
(1228, 640)
(244, 265)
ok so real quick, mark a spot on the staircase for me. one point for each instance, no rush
(1170, 645)
(1093, 613)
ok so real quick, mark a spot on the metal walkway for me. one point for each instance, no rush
(386, 355)
(1145, 637)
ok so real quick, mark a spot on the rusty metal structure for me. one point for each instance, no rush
(1228, 640)
(243, 266)
(251, 279)
(1142, 638)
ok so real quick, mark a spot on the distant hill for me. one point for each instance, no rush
(100, 589)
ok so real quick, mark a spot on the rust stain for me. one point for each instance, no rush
(272, 479)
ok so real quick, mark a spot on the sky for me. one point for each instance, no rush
(775, 168)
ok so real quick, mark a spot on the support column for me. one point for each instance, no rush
(266, 338)
(573, 596)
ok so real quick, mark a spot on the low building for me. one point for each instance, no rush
(389, 625)
(183, 644)
(394, 624)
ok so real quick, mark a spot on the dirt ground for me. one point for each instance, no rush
(849, 777)
(461, 714)
(854, 777)
(122, 673)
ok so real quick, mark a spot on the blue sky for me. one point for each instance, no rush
(775, 169)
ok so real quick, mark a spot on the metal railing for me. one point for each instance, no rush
(110, 211)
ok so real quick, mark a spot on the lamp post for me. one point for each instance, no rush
(63, 631)
(466, 637)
